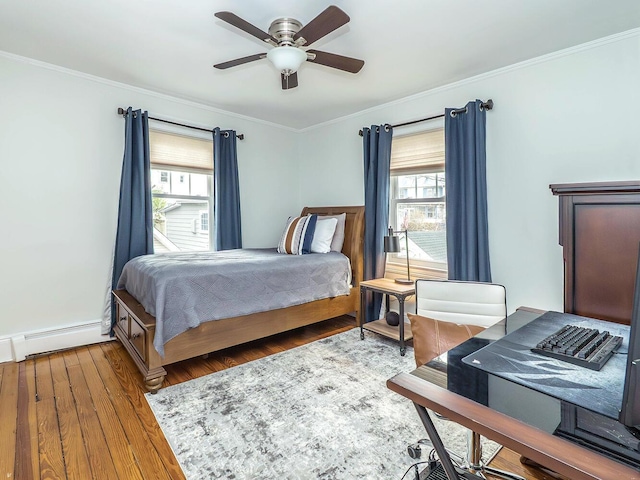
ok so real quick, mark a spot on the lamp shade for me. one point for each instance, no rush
(391, 244)
(287, 59)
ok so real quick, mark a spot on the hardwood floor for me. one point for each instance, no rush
(81, 413)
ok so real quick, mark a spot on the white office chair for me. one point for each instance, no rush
(466, 303)
(463, 303)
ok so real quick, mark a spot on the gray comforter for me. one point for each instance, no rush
(184, 289)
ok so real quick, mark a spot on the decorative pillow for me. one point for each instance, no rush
(338, 237)
(325, 228)
(298, 235)
(308, 236)
(432, 338)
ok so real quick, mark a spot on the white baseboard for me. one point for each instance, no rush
(18, 346)
(5, 350)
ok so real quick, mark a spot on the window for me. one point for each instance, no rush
(182, 186)
(204, 221)
(417, 200)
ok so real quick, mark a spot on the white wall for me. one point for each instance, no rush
(567, 117)
(61, 146)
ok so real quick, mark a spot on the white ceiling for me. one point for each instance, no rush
(409, 46)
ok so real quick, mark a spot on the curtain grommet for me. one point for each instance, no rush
(454, 113)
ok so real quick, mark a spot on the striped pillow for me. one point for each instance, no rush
(298, 234)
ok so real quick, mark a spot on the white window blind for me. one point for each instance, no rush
(180, 152)
(418, 153)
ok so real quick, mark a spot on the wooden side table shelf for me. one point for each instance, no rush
(388, 286)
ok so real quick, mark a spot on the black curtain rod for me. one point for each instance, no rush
(488, 105)
(123, 111)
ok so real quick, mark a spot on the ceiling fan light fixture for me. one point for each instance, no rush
(287, 59)
(287, 36)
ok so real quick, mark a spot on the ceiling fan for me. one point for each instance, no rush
(288, 35)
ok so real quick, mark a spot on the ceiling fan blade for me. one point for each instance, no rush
(326, 22)
(348, 64)
(290, 81)
(245, 26)
(240, 61)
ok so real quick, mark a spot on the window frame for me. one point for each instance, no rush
(396, 263)
(209, 198)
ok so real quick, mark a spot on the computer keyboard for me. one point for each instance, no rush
(586, 347)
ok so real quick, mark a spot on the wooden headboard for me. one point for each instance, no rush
(353, 235)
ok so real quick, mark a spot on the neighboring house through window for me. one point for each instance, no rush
(182, 186)
(417, 203)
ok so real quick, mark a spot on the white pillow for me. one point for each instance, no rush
(325, 228)
(338, 236)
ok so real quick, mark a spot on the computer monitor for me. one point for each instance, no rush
(630, 411)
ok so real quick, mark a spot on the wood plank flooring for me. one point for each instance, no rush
(81, 413)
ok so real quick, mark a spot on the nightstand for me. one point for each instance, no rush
(388, 286)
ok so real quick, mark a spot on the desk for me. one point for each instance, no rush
(387, 287)
(429, 386)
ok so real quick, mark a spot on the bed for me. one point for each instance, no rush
(136, 329)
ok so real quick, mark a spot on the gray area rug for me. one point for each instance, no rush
(321, 410)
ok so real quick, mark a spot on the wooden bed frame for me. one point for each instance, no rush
(135, 328)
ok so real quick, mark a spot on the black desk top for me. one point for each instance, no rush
(511, 358)
(468, 370)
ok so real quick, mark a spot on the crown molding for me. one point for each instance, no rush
(131, 88)
(483, 76)
(425, 94)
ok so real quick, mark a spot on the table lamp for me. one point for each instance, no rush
(392, 245)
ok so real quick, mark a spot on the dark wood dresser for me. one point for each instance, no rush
(600, 236)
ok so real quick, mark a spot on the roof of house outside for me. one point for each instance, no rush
(161, 244)
(178, 204)
(433, 243)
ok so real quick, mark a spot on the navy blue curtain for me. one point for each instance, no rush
(466, 193)
(226, 188)
(134, 236)
(377, 158)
